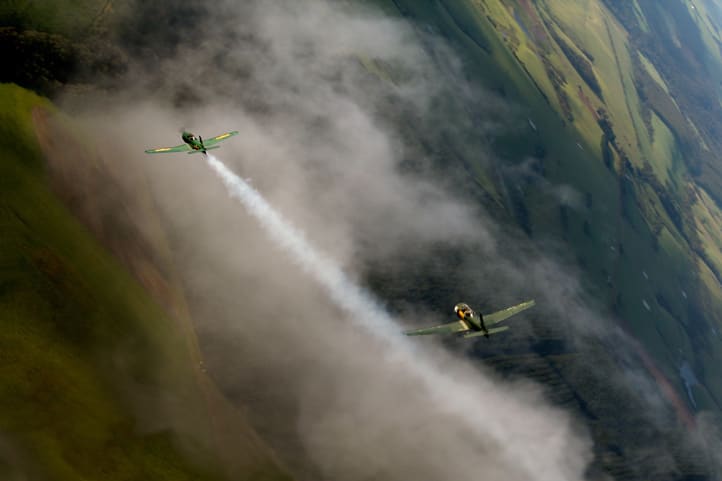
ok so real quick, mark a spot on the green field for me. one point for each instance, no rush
(641, 236)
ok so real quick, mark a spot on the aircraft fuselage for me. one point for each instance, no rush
(470, 317)
(195, 143)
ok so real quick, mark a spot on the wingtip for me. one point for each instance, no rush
(528, 304)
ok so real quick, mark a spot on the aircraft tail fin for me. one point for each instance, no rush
(203, 151)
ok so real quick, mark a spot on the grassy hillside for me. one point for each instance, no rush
(67, 310)
(102, 375)
(93, 371)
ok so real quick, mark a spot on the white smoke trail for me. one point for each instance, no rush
(339, 287)
(463, 399)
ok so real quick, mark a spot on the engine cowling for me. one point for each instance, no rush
(463, 311)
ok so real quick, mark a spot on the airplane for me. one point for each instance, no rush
(473, 324)
(193, 144)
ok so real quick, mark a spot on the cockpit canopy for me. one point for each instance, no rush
(463, 310)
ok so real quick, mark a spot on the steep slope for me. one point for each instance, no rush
(98, 381)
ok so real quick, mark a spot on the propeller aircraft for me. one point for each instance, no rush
(474, 324)
(194, 144)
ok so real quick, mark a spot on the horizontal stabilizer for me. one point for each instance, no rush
(456, 326)
(493, 330)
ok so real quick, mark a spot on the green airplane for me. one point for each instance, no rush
(193, 144)
(473, 324)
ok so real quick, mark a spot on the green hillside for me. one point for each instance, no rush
(101, 376)
(89, 359)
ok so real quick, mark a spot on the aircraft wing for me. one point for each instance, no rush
(218, 138)
(491, 319)
(456, 326)
(167, 150)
